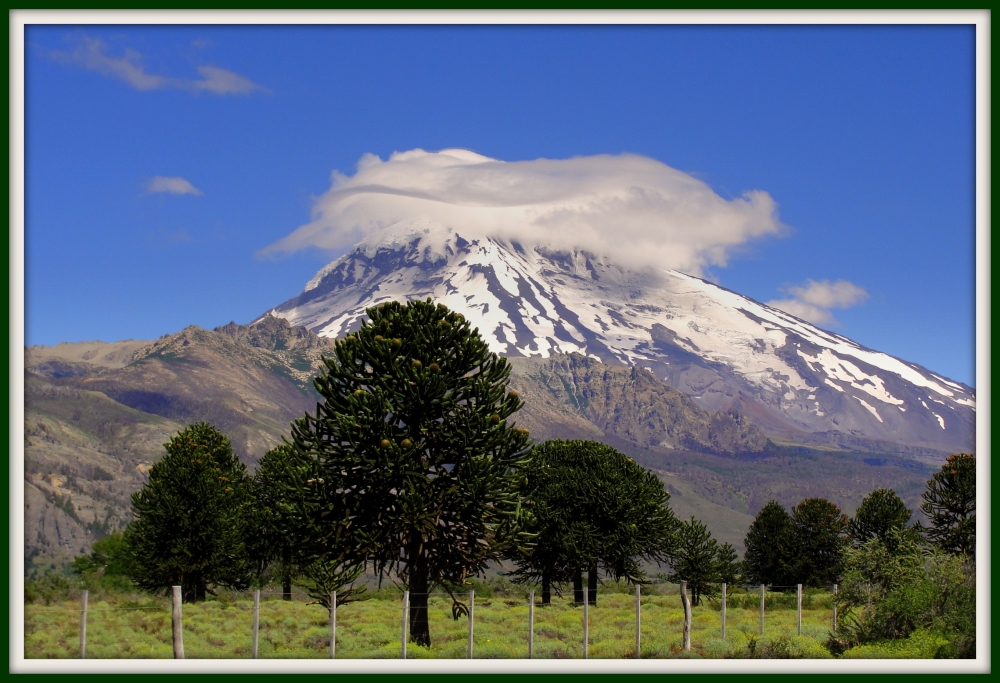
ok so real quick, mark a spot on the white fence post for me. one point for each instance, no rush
(333, 624)
(531, 624)
(406, 619)
(798, 608)
(586, 630)
(763, 589)
(472, 607)
(687, 615)
(256, 623)
(723, 611)
(178, 634)
(638, 623)
(83, 626)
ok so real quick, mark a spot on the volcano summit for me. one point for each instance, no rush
(796, 382)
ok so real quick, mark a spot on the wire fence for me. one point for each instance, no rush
(514, 624)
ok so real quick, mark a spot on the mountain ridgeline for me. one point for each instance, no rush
(797, 383)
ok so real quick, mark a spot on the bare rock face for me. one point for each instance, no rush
(633, 405)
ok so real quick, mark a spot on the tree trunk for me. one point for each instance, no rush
(546, 589)
(286, 573)
(592, 585)
(577, 587)
(420, 632)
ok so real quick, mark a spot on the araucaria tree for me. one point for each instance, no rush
(410, 462)
(770, 547)
(190, 517)
(950, 505)
(701, 561)
(820, 540)
(880, 514)
(592, 508)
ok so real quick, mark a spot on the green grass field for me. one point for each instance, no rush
(135, 627)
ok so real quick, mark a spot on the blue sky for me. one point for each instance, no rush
(863, 136)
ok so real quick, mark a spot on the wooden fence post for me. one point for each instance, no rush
(531, 624)
(586, 625)
(333, 624)
(687, 614)
(472, 607)
(763, 589)
(178, 634)
(834, 608)
(83, 626)
(798, 608)
(723, 611)
(256, 623)
(638, 623)
(406, 618)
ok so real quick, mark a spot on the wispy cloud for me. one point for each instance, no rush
(171, 186)
(814, 300)
(628, 207)
(91, 54)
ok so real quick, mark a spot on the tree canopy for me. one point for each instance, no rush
(881, 512)
(411, 461)
(770, 547)
(820, 541)
(701, 561)
(190, 519)
(592, 507)
(950, 505)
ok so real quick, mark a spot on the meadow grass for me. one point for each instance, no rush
(222, 629)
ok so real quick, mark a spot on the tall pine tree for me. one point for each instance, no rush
(191, 516)
(881, 512)
(697, 560)
(592, 508)
(770, 547)
(950, 505)
(820, 540)
(411, 462)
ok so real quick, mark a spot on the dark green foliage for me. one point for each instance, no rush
(728, 565)
(701, 561)
(771, 549)
(891, 589)
(820, 542)
(950, 505)
(280, 547)
(269, 539)
(592, 507)
(410, 462)
(190, 517)
(880, 513)
(110, 556)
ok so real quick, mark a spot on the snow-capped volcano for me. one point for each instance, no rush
(793, 379)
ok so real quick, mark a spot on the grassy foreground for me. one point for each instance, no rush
(138, 627)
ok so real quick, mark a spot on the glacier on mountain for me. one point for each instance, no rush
(721, 348)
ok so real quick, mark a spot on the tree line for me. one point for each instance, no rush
(412, 468)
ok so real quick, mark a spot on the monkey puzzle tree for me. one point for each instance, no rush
(270, 542)
(697, 560)
(770, 547)
(410, 462)
(819, 528)
(950, 505)
(881, 512)
(592, 507)
(190, 517)
(281, 543)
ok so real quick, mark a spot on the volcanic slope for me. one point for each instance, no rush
(796, 382)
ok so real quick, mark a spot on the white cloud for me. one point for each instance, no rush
(172, 186)
(91, 54)
(813, 300)
(628, 207)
